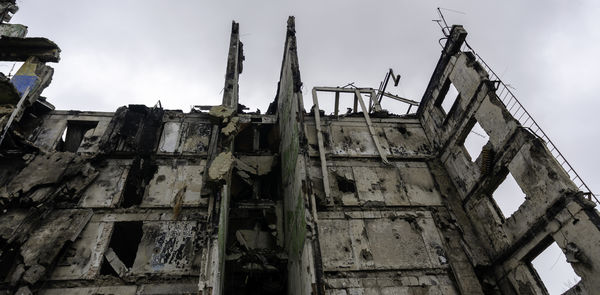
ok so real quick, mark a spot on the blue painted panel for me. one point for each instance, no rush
(24, 82)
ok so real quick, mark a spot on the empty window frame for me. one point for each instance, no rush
(140, 174)
(346, 101)
(555, 272)
(170, 138)
(447, 97)
(73, 135)
(508, 196)
(327, 102)
(475, 141)
(122, 249)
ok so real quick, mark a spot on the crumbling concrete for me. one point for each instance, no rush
(15, 30)
(232, 127)
(21, 49)
(221, 166)
(221, 112)
(115, 262)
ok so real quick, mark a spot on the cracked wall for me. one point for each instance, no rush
(379, 228)
(553, 204)
(92, 193)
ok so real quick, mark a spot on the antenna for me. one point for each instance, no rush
(384, 83)
(442, 21)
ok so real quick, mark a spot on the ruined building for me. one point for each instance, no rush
(145, 200)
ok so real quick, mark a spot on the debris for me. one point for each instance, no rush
(221, 112)
(124, 243)
(33, 274)
(58, 174)
(116, 263)
(7, 9)
(232, 127)
(254, 238)
(132, 129)
(220, 166)
(243, 166)
(45, 243)
(20, 49)
(23, 291)
(5, 112)
(13, 30)
(245, 177)
(31, 79)
(487, 159)
(141, 172)
(258, 165)
(178, 202)
(16, 274)
(574, 254)
(9, 96)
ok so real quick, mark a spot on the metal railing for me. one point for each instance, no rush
(516, 109)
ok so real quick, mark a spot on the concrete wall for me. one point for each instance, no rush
(511, 242)
(382, 230)
(168, 218)
(299, 246)
(47, 135)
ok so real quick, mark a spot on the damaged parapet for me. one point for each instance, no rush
(217, 201)
(21, 95)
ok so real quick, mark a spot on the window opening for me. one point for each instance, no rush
(509, 196)
(73, 135)
(475, 141)
(124, 242)
(450, 96)
(555, 272)
(140, 173)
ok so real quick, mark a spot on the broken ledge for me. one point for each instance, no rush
(19, 49)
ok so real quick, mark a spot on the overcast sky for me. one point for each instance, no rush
(137, 52)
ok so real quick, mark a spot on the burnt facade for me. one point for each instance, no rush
(221, 201)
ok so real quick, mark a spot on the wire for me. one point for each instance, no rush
(555, 262)
(452, 10)
(483, 136)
